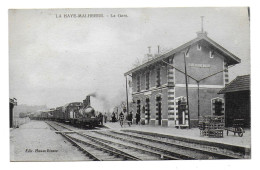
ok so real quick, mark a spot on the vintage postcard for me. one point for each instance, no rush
(112, 84)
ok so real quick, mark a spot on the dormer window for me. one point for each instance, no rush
(199, 47)
(211, 54)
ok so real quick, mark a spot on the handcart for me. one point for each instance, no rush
(237, 127)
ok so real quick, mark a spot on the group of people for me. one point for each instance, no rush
(123, 117)
(128, 117)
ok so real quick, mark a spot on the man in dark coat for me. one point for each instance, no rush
(137, 116)
(100, 117)
(131, 117)
(121, 119)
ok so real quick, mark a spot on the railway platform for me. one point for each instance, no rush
(35, 141)
(193, 133)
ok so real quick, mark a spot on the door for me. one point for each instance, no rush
(147, 111)
(181, 111)
(218, 108)
(159, 110)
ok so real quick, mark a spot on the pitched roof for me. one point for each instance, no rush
(240, 83)
(231, 58)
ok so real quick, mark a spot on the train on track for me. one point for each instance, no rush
(76, 113)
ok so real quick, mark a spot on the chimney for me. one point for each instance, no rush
(149, 55)
(202, 32)
(86, 102)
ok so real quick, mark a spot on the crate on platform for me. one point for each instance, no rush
(211, 126)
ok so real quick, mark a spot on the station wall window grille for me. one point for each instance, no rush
(218, 107)
(138, 86)
(158, 77)
(147, 80)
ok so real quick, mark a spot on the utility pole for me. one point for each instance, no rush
(198, 99)
(127, 109)
(187, 91)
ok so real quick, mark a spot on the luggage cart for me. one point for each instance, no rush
(237, 127)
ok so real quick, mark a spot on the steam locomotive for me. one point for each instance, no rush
(76, 113)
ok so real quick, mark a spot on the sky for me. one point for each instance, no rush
(54, 61)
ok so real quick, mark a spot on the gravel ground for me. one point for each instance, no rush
(193, 133)
(35, 141)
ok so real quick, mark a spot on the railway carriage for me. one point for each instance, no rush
(44, 115)
(58, 114)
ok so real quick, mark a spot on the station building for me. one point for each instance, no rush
(159, 85)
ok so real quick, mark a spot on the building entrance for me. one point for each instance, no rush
(138, 107)
(181, 111)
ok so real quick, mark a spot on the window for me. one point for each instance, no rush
(147, 80)
(199, 47)
(158, 77)
(138, 83)
(218, 106)
(211, 54)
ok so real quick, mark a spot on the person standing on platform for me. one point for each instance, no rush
(105, 118)
(137, 117)
(128, 119)
(131, 117)
(113, 117)
(121, 119)
(100, 117)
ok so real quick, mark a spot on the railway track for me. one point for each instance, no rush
(215, 148)
(93, 151)
(127, 145)
(129, 152)
(182, 152)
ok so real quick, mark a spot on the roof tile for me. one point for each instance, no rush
(240, 83)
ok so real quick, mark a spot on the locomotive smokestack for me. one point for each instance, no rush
(86, 102)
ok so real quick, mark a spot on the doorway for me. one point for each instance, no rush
(138, 107)
(147, 110)
(159, 109)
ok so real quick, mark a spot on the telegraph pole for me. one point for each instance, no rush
(187, 91)
(198, 99)
(126, 95)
